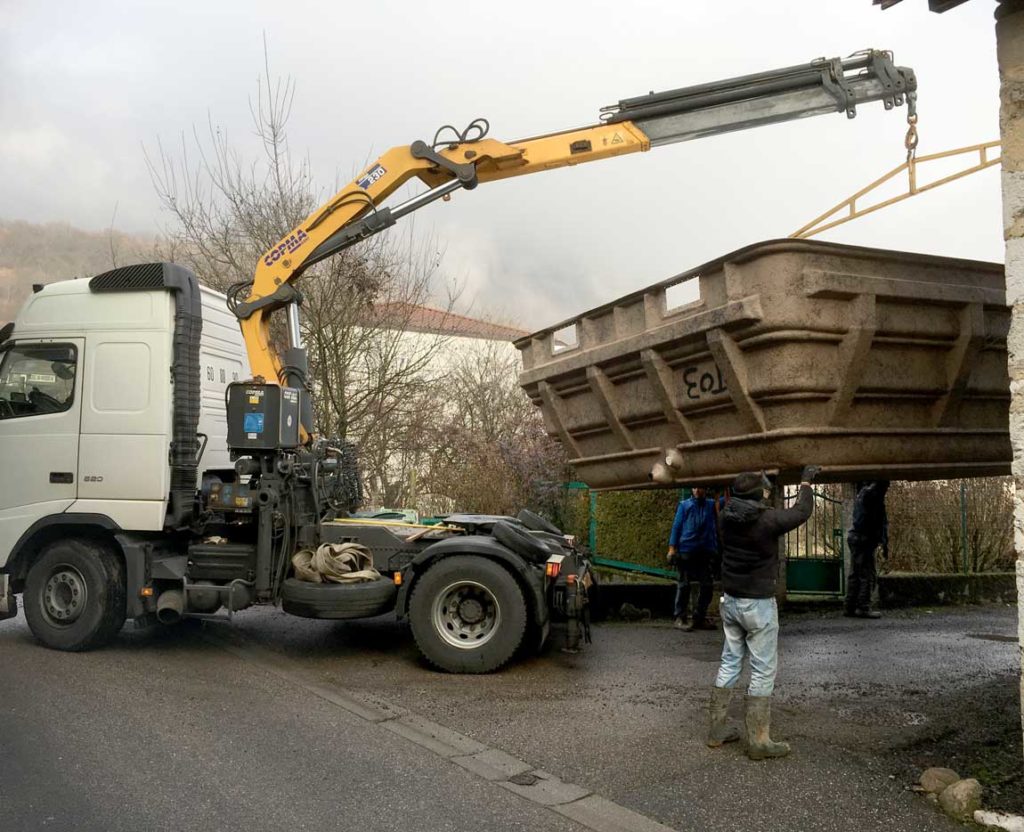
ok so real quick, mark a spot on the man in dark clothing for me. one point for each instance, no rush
(693, 547)
(750, 617)
(869, 531)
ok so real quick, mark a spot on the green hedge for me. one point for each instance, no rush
(635, 525)
(631, 525)
(570, 511)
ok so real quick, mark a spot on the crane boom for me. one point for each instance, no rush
(469, 158)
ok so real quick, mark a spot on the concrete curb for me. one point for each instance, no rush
(604, 816)
(492, 765)
(544, 788)
(442, 741)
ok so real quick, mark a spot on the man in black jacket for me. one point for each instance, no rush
(750, 617)
(870, 530)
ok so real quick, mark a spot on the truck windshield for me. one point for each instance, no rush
(36, 379)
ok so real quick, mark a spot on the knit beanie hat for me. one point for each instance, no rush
(749, 485)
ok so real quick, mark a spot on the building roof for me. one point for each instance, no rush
(415, 318)
(935, 5)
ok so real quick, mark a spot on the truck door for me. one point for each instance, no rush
(40, 412)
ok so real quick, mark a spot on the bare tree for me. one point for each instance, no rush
(928, 522)
(491, 452)
(367, 376)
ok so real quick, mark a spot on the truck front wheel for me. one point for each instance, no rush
(75, 595)
(468, 615)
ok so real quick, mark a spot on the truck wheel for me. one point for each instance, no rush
(468, 615)
(338, 601)
(75, 596)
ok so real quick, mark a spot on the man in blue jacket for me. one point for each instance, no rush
(692, 547)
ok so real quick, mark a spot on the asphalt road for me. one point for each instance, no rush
(240, 727)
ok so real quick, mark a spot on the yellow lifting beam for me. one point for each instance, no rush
(988, 154)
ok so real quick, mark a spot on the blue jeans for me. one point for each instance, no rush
(751, 628)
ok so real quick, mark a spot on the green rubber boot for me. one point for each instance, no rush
(719, 731)
(760, 745)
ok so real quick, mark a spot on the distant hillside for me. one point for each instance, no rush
(31, 253)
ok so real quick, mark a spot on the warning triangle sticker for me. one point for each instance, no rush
(617, 139)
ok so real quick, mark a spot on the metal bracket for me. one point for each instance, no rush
(659, 373)
(852, 353)
(960, 361)
(604, 392)
(466, 174)
(881, 65)
(283, 295)
(553, 410)
(834, 83)
(731, 362)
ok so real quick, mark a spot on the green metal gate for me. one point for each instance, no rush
(814, 551)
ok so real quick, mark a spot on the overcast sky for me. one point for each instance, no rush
(84, 85)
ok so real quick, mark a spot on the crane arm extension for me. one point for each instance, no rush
(356, 212)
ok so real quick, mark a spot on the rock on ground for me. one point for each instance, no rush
(962, 799)
(935, 780)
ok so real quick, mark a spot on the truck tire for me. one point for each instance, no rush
(536, 522)
(521, 542)
(468, 614)
(75, 595)
(363, 599)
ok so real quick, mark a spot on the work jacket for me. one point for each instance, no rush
(870, 522)
(750, 543)
(695, 528)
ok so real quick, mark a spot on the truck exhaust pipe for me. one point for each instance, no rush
(170, 606)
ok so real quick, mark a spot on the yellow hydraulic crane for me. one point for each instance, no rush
(463, 159)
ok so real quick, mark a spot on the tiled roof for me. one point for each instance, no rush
(935, 5)
(437, 321)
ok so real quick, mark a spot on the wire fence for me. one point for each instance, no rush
(934, 527)
(951, 526)
(821, 537)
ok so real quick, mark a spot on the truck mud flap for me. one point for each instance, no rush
(8, 601)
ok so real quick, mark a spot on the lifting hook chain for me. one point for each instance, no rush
(911, 139)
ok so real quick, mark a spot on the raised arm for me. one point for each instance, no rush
(786, 519)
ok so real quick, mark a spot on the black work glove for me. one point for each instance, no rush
(809, 473)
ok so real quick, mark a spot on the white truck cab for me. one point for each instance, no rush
(87, 406)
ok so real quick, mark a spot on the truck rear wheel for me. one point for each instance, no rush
(75, 595)
(468, 615)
